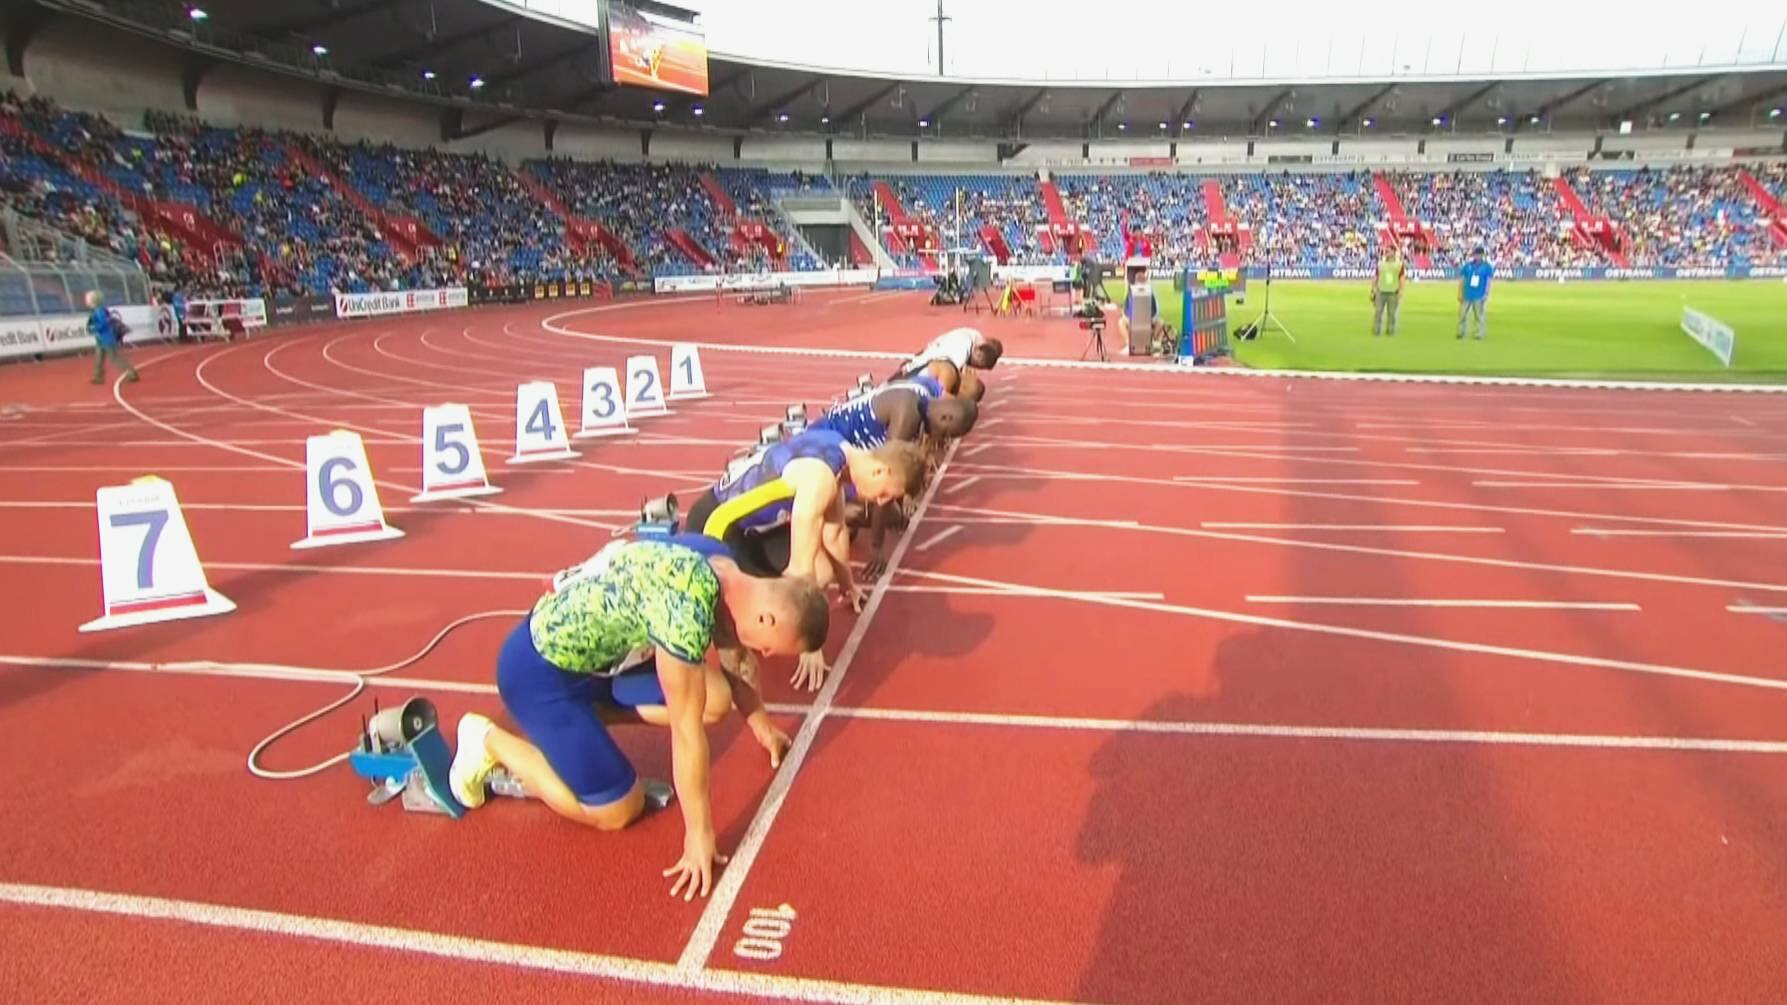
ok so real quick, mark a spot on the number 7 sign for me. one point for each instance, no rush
(148, 566)
(452, 466)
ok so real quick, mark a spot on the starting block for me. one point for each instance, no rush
(657, 518)
(403, 754)
(770, 434)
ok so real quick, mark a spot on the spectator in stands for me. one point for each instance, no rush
(108, 338)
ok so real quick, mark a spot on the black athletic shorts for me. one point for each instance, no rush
(758, 553)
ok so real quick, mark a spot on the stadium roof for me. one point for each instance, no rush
(530, 65)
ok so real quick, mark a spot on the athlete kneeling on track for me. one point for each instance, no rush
(951, 357)
(781, 511)
(624, 638)
(913, 410)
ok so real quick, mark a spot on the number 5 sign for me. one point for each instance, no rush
(148, 566)
(341, 505)
(452, 467)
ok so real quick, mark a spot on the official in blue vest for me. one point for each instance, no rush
(1473, 293)
(108, 338)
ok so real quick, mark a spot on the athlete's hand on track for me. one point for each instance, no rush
(773, 740)
(809, 673)
(857, 597)
(876, 565)
(695, 870)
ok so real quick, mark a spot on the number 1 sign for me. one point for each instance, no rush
(148, 566)
(452, 467)
(341, 504)
(686, 379)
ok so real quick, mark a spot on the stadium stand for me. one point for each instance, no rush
(293, 214)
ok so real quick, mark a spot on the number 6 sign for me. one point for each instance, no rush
(452, 466)
(341, 504)
(148, 566)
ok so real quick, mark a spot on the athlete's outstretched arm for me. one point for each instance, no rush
(815, 488)
(685, 694)
(740, 667)
(836, 539)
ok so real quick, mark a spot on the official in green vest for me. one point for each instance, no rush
(1386, 290)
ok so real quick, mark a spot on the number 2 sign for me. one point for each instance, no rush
(341, 504)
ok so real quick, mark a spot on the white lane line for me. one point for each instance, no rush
(700, 947)
(1738, 534)
(1751, 609)
(1626, 486)
(938, 537)
(1423, 641)
(753, 986)
(1543, 605)
(1257, 729)
(970, 451)
(955, 487)
(352, 570)
(988, 591)
(89, 504)
(1017, 473)
(1361, 549)
(1238, 480)
(990, 423)
(1740, 420)
(1393, 528)
(1517, 451)
(1268, 730)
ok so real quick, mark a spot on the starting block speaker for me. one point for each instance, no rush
(645, 392)
(604, 413)
(341, 504)
(686, 379)
(539, 425)
(149, 569)
(452, 465)
(403, 753)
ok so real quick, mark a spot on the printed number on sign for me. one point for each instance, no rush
(152, 522)
(331, 488)
(540, 423)
(604, 393)
(442, 445)
(688, 364)
(647, 382)
(765, 930)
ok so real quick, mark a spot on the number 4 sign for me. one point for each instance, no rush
(148, 566)
(341, 505)
(452, 467)
(686, 380)
(539, 425)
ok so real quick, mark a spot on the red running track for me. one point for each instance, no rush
(1186, 688)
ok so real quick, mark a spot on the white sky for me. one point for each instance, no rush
(1052, 39)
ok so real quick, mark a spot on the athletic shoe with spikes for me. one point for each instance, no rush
(472, 763)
